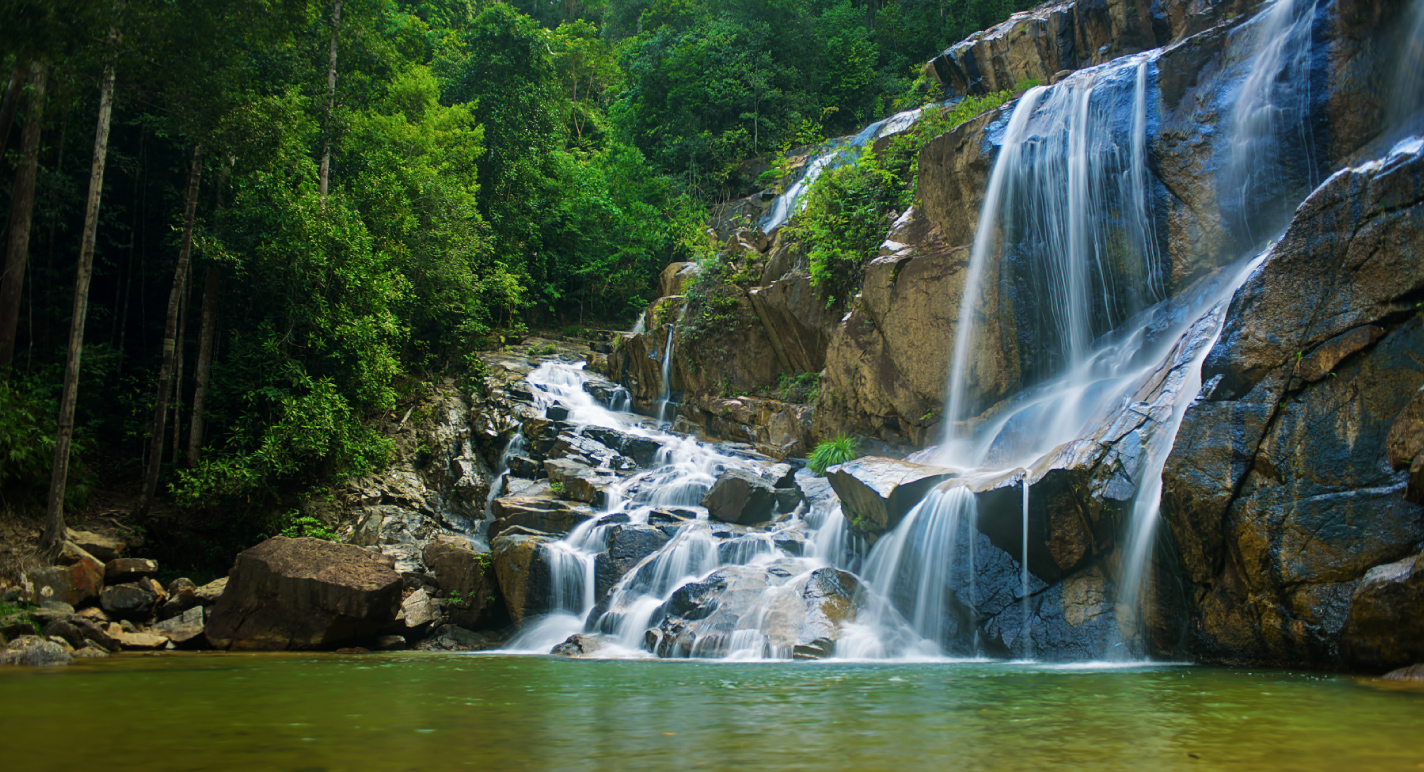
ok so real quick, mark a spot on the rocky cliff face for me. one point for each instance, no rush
(1279, 494)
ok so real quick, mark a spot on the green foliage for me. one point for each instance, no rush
(294, 524)
(801, 388)
(828, 453)
(848, 208)
(557, 486)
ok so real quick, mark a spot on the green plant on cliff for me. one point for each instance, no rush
(294, 525)
(828, 453)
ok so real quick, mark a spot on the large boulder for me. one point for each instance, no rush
(76, 578)
(1278, 494)
(185, 630)
(467, 580)
(785, 608)
(741, 497)
(522, 569)
(1385, 629)
(34, 651)
(302, 594)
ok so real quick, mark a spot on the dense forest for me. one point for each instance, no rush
(284, 213)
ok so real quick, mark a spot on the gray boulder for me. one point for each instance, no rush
(740, 497)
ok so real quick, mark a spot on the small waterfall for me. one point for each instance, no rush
(1026, 651)
(1142, 524)
(1406, 96)
(831, 155)
(914, 567)
(1268, 119)
(514, 447)
(665, 392)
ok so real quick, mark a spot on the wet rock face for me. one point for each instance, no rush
(1062, 36)
(797, 609)
(1279, 495)
(302, 594)
(628, 545)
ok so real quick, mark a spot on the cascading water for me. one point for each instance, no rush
(833, 154)
(1406, 98)
(1065, 167)
(1272, 162)
(665, 390)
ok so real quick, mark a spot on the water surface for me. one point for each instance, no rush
(434, 711)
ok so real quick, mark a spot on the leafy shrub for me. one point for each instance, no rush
(828, 453)
(294, 525)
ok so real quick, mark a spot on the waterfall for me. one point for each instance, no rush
(665, 391)
(1269, 117)
(1027, 650)
(1063, 171)
(1406, 96)
(833, 154)
(513, 448)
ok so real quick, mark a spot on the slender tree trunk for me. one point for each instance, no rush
(22, 207)
(11, 101)
(330, 108)
(54, 530)
(170, 332)
(178, 365)
(211, 288)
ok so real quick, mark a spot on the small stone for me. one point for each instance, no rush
(103, 548)
(184, 629)
(209, 593)
(89, 651)
(389, 643)
(129, 601)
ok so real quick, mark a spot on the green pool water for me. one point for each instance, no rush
(438, 712)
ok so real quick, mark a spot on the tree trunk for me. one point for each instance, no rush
(54, 530)
(170, 332)
(330, 108)
(211, 288)
(22, 207)
(178, 366)
(11, 101)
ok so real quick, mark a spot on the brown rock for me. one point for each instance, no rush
(75, 579)
(522, 571)
(304, 594)
(121, 570)
(103, 548)
(34, 651)
(184, 630)
(1386, 625)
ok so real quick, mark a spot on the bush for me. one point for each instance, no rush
(828, 453)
